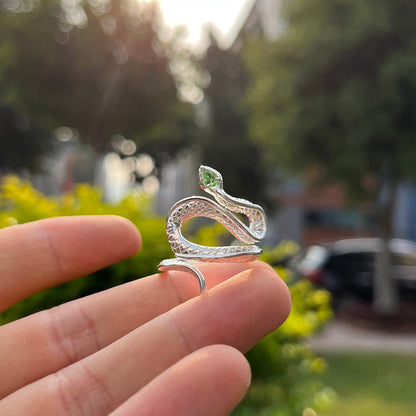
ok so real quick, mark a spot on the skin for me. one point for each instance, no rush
(152, 346)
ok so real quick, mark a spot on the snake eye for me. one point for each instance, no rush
(209, 178)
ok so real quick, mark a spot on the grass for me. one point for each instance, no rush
(372, 384)
(367, 384)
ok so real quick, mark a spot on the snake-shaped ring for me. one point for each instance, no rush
(188, 254)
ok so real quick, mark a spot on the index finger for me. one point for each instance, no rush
(42, 254)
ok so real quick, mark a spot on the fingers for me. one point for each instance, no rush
(238, 312)
(208, 382)
(42, 254)
(43, 343)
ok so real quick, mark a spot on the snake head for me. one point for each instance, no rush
(209, 179)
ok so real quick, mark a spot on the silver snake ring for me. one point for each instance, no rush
(188, 254)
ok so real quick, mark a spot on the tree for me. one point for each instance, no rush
(225, 144)
(337, 93)
(21, 142)
(97, 66)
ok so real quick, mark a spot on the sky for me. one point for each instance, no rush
(195, 13)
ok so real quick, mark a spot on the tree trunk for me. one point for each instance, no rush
(385, 291)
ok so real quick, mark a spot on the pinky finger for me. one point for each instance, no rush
(209, 382)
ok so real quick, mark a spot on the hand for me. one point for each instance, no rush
(148, 347)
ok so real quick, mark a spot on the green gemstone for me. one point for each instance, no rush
(209, 179)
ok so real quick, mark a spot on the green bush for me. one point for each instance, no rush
(20, 203)
(285, 370)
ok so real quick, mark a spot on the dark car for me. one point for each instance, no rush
(347, 266)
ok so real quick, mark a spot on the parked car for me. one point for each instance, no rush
(347, 266)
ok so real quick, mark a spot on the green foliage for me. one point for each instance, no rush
(283, 355)
(20, 203)
(97, 66)
(21, 141)
(337, 91)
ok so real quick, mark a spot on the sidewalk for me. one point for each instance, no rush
(341, 336)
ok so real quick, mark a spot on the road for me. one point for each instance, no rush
(342, 336)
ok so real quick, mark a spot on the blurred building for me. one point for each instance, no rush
(309, 214)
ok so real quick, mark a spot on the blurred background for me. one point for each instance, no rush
(307, 107)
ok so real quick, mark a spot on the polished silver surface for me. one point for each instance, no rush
(189, 254)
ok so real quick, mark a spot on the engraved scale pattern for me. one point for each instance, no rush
(254, 213)
(203, 207)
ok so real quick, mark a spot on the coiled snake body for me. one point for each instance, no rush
(189, 254)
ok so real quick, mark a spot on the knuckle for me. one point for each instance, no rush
(74, 334)
(81, 392)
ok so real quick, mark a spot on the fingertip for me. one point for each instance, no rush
(211, 380)
(279, 294)
(263, 282)
(284, 297)
(233, 369)
(259, 264)
(115, 236)
(133, 238)
(244, 309)
(281, 291)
